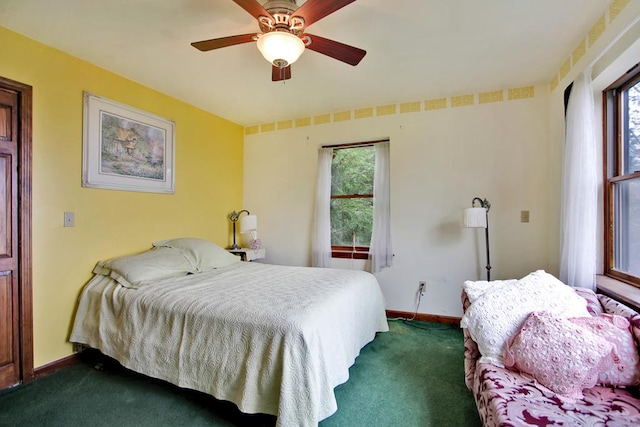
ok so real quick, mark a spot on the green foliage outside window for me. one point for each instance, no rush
(352, 171)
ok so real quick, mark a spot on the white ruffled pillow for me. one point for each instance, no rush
(133, 271)
(474, 290)
(498, 311)
(202, 254)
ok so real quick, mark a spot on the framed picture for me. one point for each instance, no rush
(126, 149)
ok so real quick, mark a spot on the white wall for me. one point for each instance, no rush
(440, 160)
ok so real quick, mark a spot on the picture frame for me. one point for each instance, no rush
(125, 148)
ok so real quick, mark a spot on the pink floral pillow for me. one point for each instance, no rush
(616, 330)
(562, 356)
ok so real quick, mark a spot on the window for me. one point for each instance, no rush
(622, 174)
(352, 217)
(351, 208)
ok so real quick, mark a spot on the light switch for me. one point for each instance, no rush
(69, 219)
(524, 216)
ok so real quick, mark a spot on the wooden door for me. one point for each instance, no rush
(16, 346)
(9, 273)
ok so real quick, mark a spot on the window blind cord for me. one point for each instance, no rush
(353, 247)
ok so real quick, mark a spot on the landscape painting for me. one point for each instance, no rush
(131, 148)
(126, 149)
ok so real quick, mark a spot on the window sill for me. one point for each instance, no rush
(623, 292)
(349, 254)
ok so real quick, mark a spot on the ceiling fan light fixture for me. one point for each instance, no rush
(280, 48)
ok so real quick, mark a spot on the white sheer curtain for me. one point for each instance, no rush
(380, 251)
(321, 244)
(579, 191)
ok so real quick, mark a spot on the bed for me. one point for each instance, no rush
(271, 339)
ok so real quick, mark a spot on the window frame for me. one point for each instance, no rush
(613, 171)
(352, 252)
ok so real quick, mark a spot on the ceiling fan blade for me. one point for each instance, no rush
(340, 51)
(314, 10)
(206, 45)
(278, 74)
(253, 7)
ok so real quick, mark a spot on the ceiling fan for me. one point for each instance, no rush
(283, 37)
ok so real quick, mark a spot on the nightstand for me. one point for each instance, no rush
(247, 254)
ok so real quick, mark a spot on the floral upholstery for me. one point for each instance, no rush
(471, 352)
(614, 307)
(508, 399)
(593, 303)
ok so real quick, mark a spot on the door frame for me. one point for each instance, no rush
(25, 290)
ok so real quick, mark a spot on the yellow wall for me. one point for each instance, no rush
(109, 223)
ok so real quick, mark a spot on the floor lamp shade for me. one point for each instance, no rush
(474, 218)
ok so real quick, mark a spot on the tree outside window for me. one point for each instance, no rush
(352, 174)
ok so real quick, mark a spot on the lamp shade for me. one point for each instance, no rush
(248, 223)
(280, 48)
(474, 218)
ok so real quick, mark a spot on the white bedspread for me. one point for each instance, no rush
(271, 339)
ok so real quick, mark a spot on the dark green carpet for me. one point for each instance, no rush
(409, 376)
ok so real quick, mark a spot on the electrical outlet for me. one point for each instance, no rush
(524, 216)
(421, 286)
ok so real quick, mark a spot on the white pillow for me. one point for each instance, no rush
(499, 311)
(202, 254)
(144, 268)
(475, 289)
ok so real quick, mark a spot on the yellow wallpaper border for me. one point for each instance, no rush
(302, 122)
(322, 119)
(342, 116)
(285, 124)
(410, 107)
(386, 110)
(435, 104)
(363, 113)
(267, 127)
(616, 7)
(579, 51)
(488, 97)
(597, 29)
(394, 109)
(565, 68)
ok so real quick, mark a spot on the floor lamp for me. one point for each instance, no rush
(479, 218)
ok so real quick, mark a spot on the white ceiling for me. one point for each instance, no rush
(416, 49)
